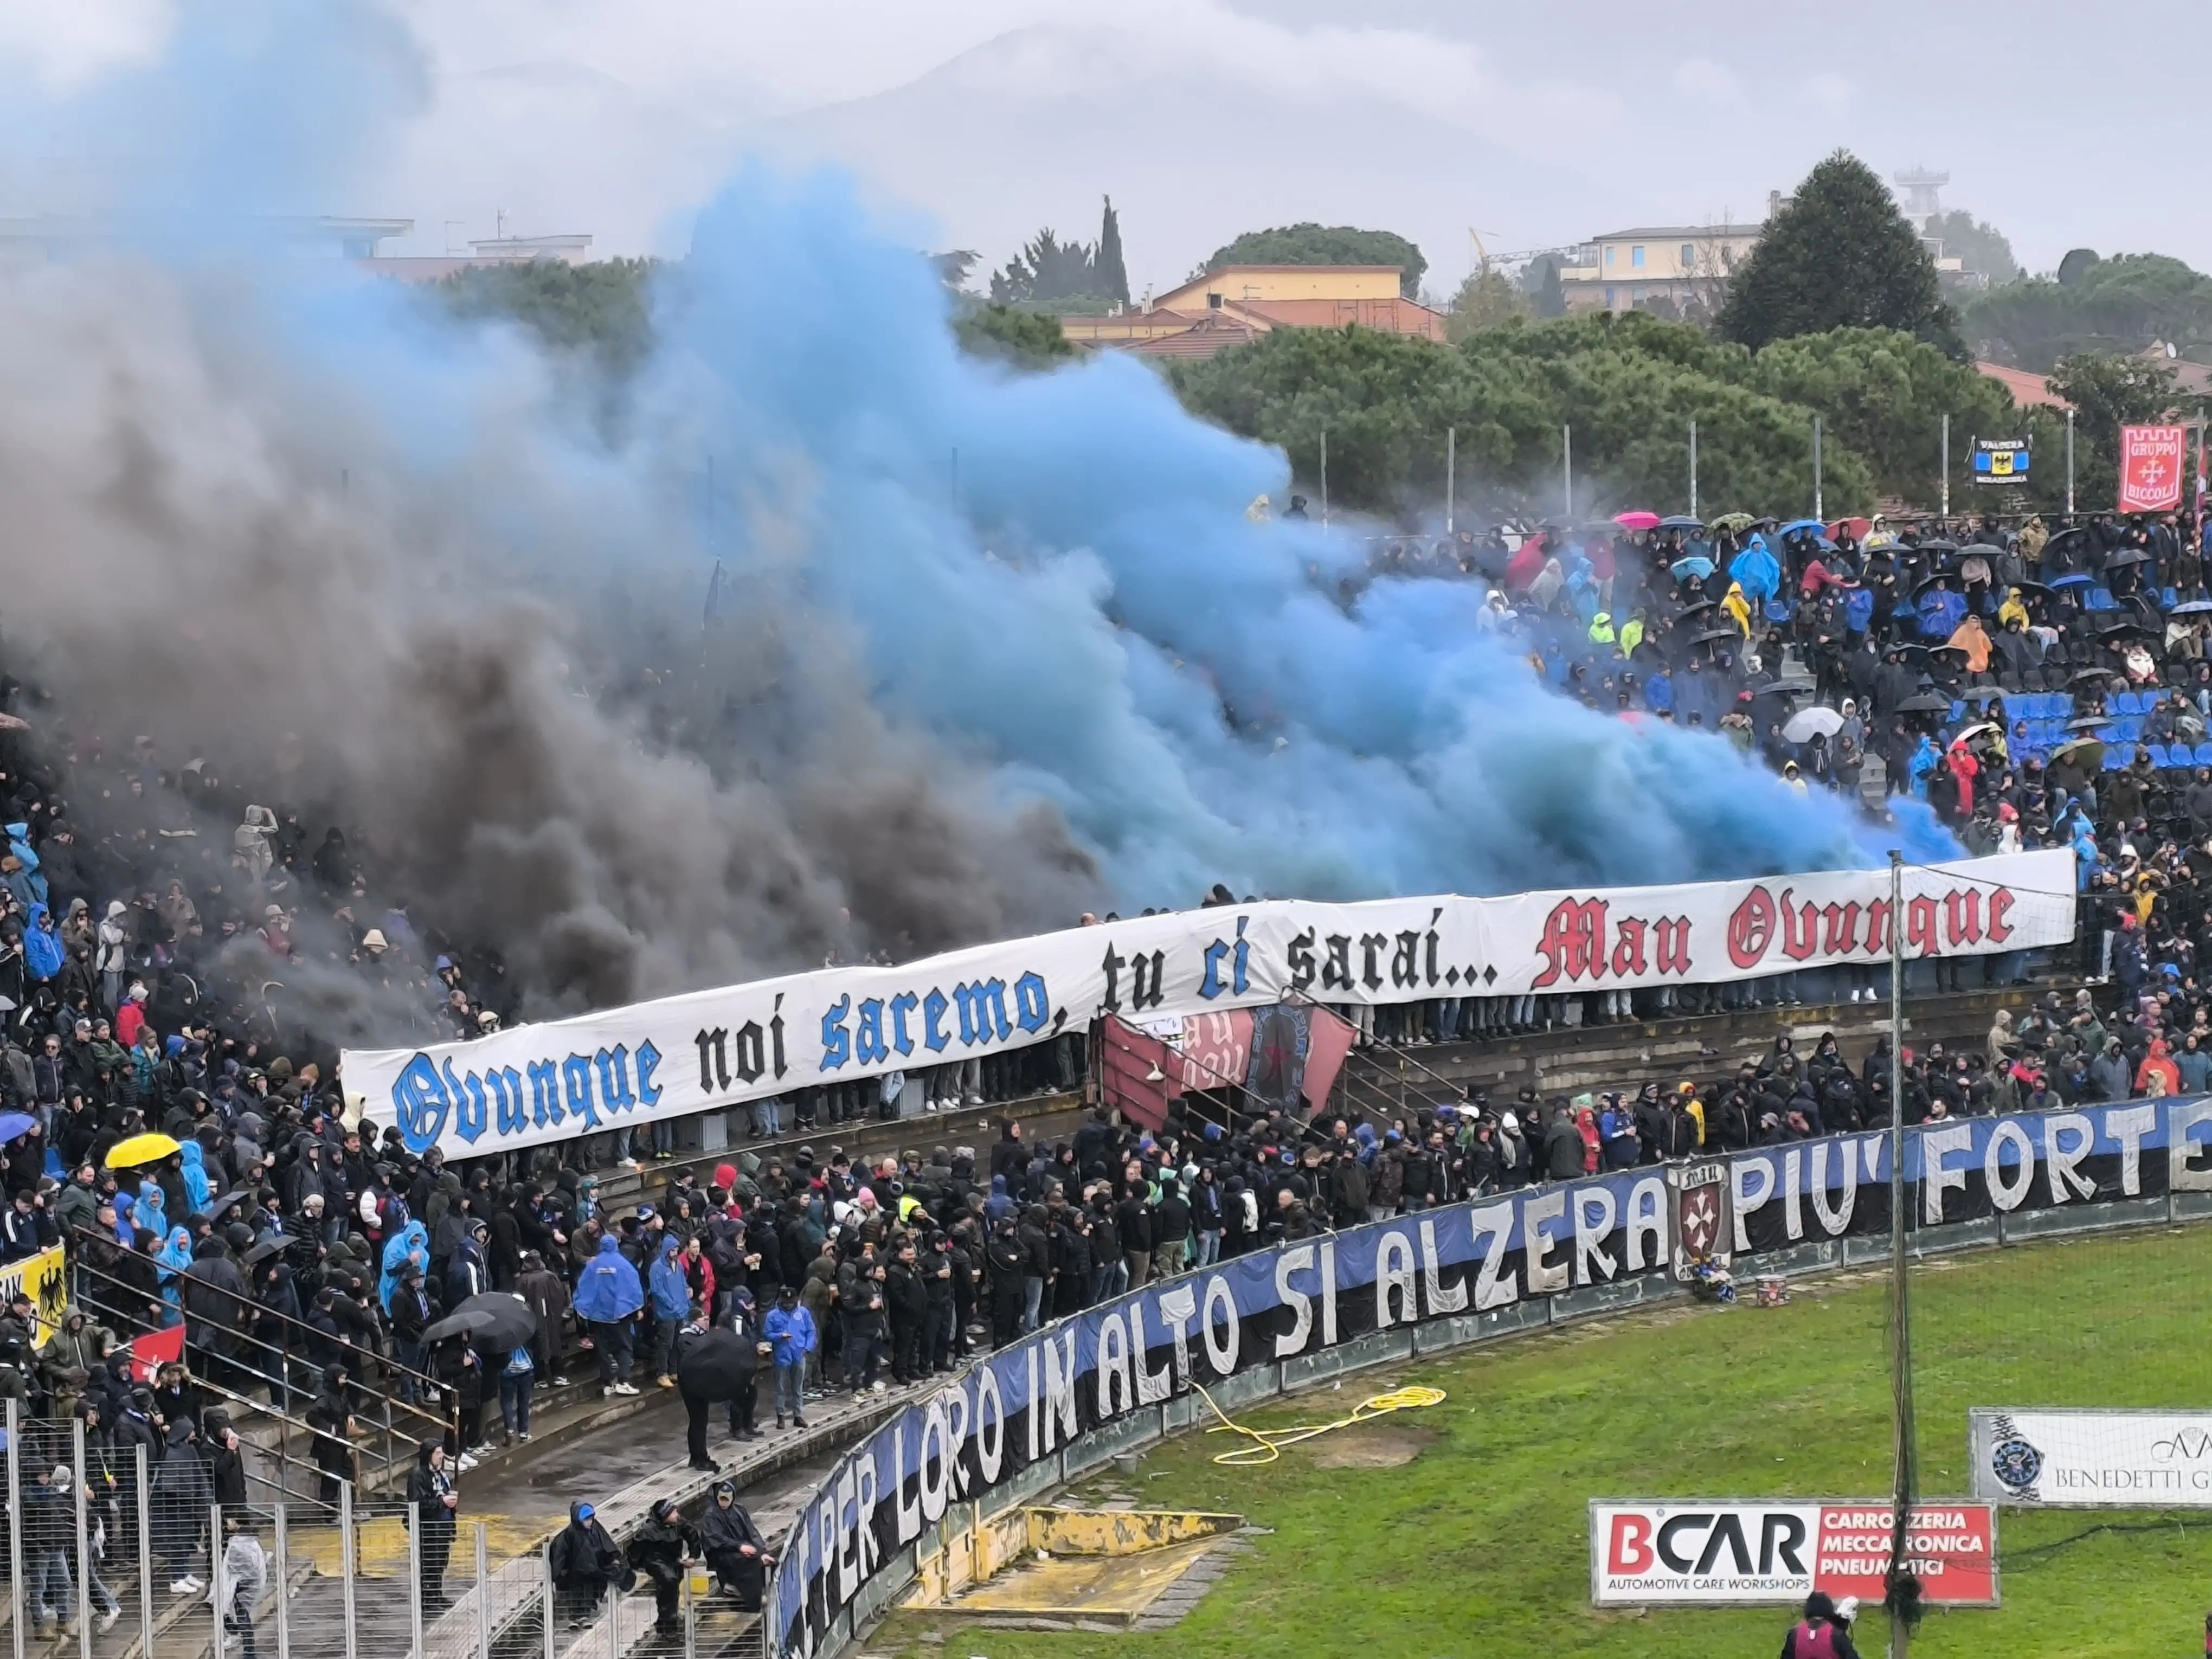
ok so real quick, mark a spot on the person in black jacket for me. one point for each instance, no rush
(430, 1491)
(584, 1562)
(734, 1548)
(1133, 1221)
(226, 1464)
(1004, 1260)
(663, 1543)
(1171, 1224)
(906, 1297)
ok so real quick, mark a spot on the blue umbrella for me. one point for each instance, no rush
(1803, 524)
(2072, 579)
(2191, 608)
(14, 1125)
(1699, 568)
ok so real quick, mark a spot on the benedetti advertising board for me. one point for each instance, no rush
(2092, 1458)
(1732, 1551)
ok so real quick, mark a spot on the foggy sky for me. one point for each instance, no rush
(1536, 124)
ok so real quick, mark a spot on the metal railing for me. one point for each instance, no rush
(120, 1557)
(396, 1425)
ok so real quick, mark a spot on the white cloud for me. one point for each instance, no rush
(1701, 77)
(67, 44)
(1829, 90)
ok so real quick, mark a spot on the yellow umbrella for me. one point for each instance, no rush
(140, 1149)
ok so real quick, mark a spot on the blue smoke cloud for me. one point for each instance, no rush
(1078, 596)
(1062, 615)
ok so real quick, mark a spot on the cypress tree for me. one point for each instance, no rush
(1113, 276)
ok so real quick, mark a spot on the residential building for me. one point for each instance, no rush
(1682, 269)
(1239, 303)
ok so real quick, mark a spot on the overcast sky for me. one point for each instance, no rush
(1538, 125)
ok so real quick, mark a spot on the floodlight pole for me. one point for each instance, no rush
(1452, 475)
(1693, 469)
(2069, 462)
(1817, 512)
(1901, 1332)
(1944, 485)
(1567, 471)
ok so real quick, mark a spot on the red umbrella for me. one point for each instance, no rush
(1636, 520)
(1526, 560)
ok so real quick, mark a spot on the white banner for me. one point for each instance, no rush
(2160, 1460)
(687, 1054)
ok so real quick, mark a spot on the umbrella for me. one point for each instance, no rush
(215, 1206)
(2126, 627)
(2039, 588)
(1681, 522)
(1696, 605)
(2087, 751)
(1976, 731)
(497, 1319)
(1928, 702)
(2089, 722)
(15, 1124)
(1807, 722)
(1926, 582)
(2073, 579)
(1938, 545)
(267, 1247)
(1734, 522)
(1958, 651)
(1636, 520)
(2126, 556)
(1981, 551)
(2080, 674)
(141, 1149)
(1713, 636)
(1796, 525)
(1696, 566)
(716, 1365)
(1981, 694)
(2190, 608)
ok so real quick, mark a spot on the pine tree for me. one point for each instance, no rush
(1113, 276)
(1840, 255)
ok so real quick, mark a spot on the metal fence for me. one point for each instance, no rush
(113, 1554)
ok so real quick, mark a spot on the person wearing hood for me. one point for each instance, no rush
(244, 1576)
(180, 1492)
(430, 1490)
(584, 1562)
(608, 1299)
(76, 1347)
(734, 1548)
(2158, 1077)
(670, 1289)
(409, 1246)
(790, 1332)
(1822, 1634)
(111, 952)
(663, 1543)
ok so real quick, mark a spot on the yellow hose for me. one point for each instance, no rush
(1268, 1443)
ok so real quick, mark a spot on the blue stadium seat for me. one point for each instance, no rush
(2178, 756)
(2100, 598)
(2062, 704)
(2157, 752)
(2168, 598)
(1958, 712)
(2131, 728)
(2124, 703)
(2117, 754)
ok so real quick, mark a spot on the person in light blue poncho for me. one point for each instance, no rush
(608, 1298)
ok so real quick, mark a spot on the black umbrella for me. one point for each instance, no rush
(215, 1206)
(265, 1250)
(2035, 588)
(1938, 545)
(1926, 703)
(1926, 582)
(1717, 634)
(2089, 722)
(495, 1319)
(1981, 694)
(715, 1364)
(1681, 522)
(2129, 626)
(2082, 674)
(2126, 556)
(1981, 551)
(2066, 538)
(1696, 605)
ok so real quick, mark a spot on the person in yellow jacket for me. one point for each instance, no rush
(1632, 633)
(1601, 628)
(1738, 608)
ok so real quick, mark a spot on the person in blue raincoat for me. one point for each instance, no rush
(170, 1262)
(197, 1193)
(1926, 756)
(608, 1298)
(1858, 610)
(1755, 571)
(411, 1243)
(25, 881)
(42, 946)
(1941, 612)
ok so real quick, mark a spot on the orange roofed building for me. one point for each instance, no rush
(1238, 304)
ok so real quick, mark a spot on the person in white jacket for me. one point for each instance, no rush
(240, 1580)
